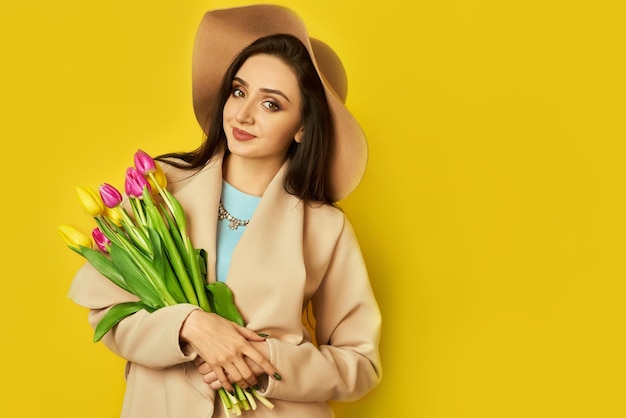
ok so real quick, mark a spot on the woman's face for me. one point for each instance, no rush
(262, 114)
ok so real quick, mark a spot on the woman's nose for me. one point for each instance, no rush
(244, 113)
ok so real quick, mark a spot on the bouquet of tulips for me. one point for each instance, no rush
(151, 256)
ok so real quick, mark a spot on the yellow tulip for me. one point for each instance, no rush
(114, 215)
(90, 200)
(159, 175)
(73, 237)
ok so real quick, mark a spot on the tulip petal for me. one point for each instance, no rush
(110, 195)
(73, 237)
(101, 240)
(135, 183)
(159, 177)
(92, 203)
(114, 215)
(144, 163)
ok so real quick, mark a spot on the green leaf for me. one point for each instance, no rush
(115, 315)
(137, 282)
(197, 279)
(223, 303)
(157, 249)
(162, 261)
(138, 211)
(175, 257)
(175, 234)
(105, 266)
(176, 209)
(140, 239)
(173, 285)
(202, 261)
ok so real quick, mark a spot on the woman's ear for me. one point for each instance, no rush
(298, 136)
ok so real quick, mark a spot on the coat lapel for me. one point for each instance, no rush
(267, 266)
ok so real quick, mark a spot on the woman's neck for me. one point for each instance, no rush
(247, 175)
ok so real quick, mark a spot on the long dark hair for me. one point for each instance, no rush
(306, 175)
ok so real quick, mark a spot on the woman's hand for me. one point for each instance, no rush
(229, 351)
(209, 377)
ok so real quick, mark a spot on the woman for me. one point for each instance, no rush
(259, 193)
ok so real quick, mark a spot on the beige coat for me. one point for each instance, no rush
(290, 253)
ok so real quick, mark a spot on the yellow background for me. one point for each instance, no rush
(491, 215)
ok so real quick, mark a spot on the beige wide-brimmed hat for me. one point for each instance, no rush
(224, 33)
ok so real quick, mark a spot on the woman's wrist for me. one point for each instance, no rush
(190, 327)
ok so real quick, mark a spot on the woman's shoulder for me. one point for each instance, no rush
(323, 209)
(326, 229)
(323, 216)
(179, 174)
(176, 169)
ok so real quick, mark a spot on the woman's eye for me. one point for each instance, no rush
(271, 105)
(238, 93)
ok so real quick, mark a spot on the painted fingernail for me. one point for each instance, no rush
(262, 334)
(277, 376)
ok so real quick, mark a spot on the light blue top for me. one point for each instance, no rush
(241, 206)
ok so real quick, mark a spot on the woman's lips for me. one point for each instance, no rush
(241, 135)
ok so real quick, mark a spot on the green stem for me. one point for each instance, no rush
(189, 253)
(262, 399)
(175, 233)
(137, 211)
(174, 256)
(137, 233)
(225, 401)
(242, 398)
(167, 198)
(190, 258)
(198, 281)
(235, 408)
(251, 400)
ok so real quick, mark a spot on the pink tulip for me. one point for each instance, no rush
(110, 195)
(135, 183)
(144, 163)
(101, 240)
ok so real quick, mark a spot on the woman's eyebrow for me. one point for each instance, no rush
(278, 92)
(264, 90)
(240, 81)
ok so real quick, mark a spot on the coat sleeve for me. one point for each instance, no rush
(149, 339)
(346, 363)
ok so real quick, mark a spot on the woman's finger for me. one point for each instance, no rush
(250, 335)
(235, 373)
(267, 367)
(204, 369)
(224, 381)
(209, 377)
(248, 377)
